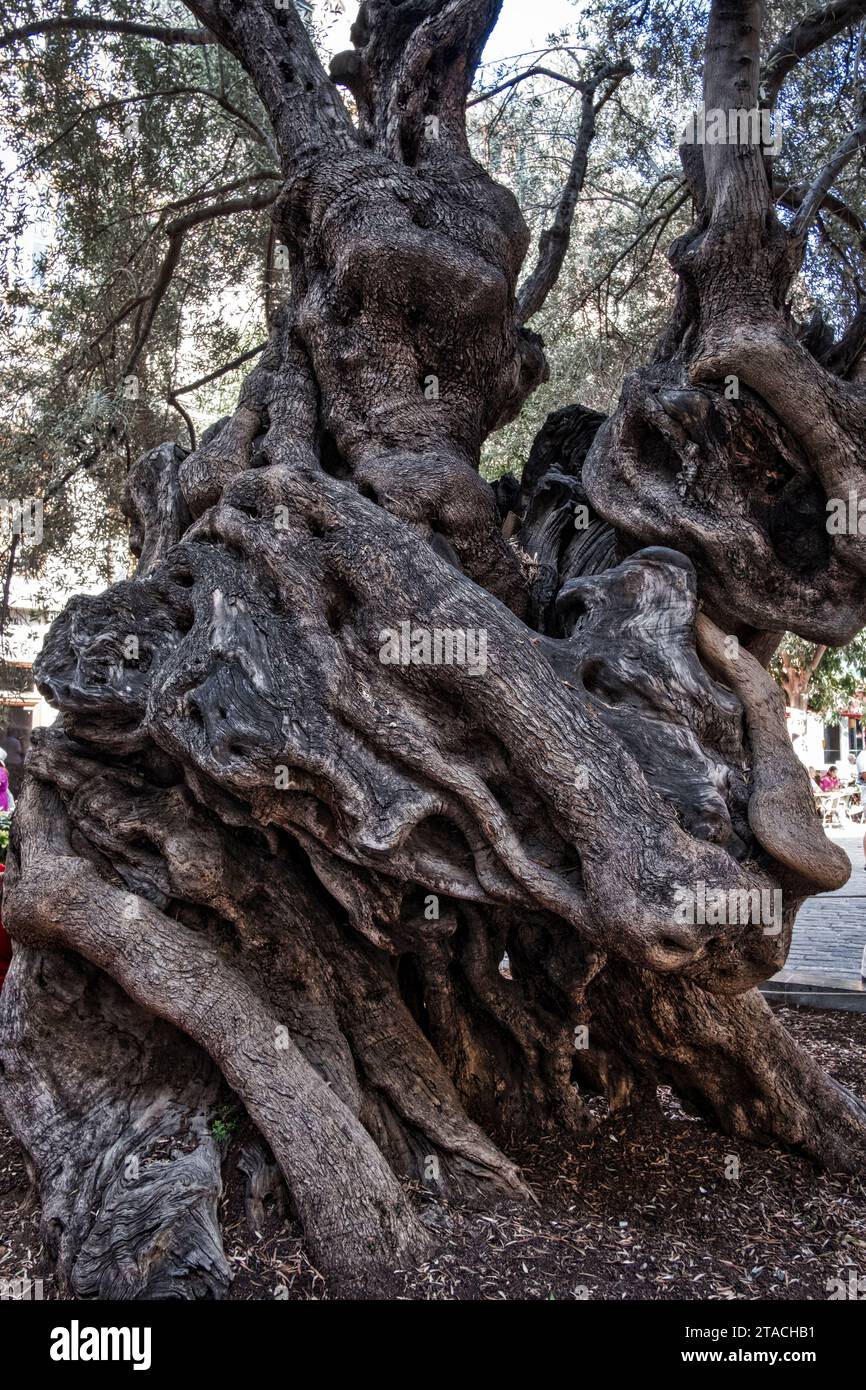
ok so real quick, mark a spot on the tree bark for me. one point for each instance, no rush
(730, 444)
(282, 842)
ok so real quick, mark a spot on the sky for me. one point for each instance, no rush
(523, 25)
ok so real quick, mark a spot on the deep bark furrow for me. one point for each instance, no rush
(284, 843)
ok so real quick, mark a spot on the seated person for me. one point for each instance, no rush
(830, 781)
(5, 943)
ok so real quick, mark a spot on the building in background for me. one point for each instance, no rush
(34, 603)
(22, 708)
(821, 740)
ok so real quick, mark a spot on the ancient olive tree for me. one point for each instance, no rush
(361, 726)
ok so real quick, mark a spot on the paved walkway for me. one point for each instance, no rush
(830, 931)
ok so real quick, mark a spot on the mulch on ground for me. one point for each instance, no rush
(647, 1208)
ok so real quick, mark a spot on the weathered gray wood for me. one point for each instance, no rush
(287, 861)
(113, 1108)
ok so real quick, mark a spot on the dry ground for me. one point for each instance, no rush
(642, 1210)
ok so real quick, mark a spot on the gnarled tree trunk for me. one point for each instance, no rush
(283, 840)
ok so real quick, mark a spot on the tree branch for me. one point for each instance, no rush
(554, 241)
(176, 231)
(660, 220)
(257, 176)
(114, 102)
(791, 195)
(411, 62)
(115, 322)
(820, 187)
(186, 417)
(173, 394)
(220, 371)
(7, 584)
(274, 47)
(736, 181)
(521, 77)
(813, 30)
(94, 24)
(849, 349)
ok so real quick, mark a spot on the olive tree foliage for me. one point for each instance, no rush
(820, 678)
(610, 305)
(110, 139)
(137, 258)
(285, 855)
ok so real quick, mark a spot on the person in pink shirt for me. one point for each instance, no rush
(5, 942)
(7, 804)
(7, 801)
(829, 781)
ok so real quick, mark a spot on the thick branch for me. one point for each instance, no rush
(736, 182)
(813, 30)
(818, 190)
(274, 47)
(94, 24)
(553, 244)
(792, 196)
(412, 63)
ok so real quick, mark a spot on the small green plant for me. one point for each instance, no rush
(224, 1126)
